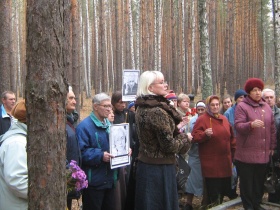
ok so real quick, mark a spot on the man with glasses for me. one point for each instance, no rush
(8, 102)
(269, 96)
(93, 137)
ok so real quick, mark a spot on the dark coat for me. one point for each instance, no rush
(215, 152)
(73, 151)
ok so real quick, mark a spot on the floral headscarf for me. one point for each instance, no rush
(208, 101)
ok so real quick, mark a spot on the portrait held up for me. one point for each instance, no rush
(119, 145)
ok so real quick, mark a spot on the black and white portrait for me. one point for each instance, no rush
(130, 84)
(119, 144)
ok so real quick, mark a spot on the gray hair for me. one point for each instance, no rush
(268, 90)
(5, 93)
(146, 79)
(98, 98)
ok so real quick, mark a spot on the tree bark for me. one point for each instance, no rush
(207, 88)
(47, 51)
(5, 25)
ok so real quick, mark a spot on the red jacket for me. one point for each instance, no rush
(253, 145)
(215, 152)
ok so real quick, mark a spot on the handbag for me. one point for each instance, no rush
(271, 179)
(183, 171)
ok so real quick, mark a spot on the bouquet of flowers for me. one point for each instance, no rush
(192, 112)
(76, 178)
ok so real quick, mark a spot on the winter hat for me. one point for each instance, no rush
(171, 96)
(239, 93)
(131, 104)
(252, 83)
(200, 104)
(19, 111)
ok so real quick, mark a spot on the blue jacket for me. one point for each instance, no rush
(230, 116)
(5, 120)
(93, 137)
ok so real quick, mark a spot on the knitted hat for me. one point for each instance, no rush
(239, 93)
(19, 111)
(171, 96)
(131, 104)
(252, 83)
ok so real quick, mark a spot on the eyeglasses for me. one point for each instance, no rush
(161, 83)
(106, 106)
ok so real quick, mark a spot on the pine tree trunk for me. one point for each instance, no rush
(5, 8)
(47, 59)
(276, 26)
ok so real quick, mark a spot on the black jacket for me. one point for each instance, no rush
(73, 151)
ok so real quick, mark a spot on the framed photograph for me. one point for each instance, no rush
(119, 145)
(130, 84)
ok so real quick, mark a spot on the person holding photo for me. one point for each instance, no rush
(93, 137)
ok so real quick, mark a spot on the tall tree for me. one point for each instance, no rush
(48, 24)
(5, 25)
(276, 27)
(207, 87)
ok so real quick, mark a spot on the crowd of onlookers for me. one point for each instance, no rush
(223, 141)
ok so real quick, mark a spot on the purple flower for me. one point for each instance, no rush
(76, 178)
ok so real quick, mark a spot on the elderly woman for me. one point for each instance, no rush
(160, 139)
(215, 137)
(194, 185)
(255, 142)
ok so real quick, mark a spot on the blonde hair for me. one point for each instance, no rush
(181, 97)
(146, 79)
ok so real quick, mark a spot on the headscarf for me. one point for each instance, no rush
(208, 101)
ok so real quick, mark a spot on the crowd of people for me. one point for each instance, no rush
(221, 139)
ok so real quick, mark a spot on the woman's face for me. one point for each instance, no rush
(111, 116)
(200, 110)
(256, 94)
(227, 103)
(215, 106)
(184, 104)
(159, 87)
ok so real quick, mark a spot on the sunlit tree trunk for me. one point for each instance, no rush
(131, 35)
(88, 51)
(76, 47)
(45, 96)
(207, 88)
(276, 27)
(137, 6)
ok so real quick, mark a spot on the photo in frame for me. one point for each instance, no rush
(130, 81)
(119, 145)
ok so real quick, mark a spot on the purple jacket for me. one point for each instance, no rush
(253, 144)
